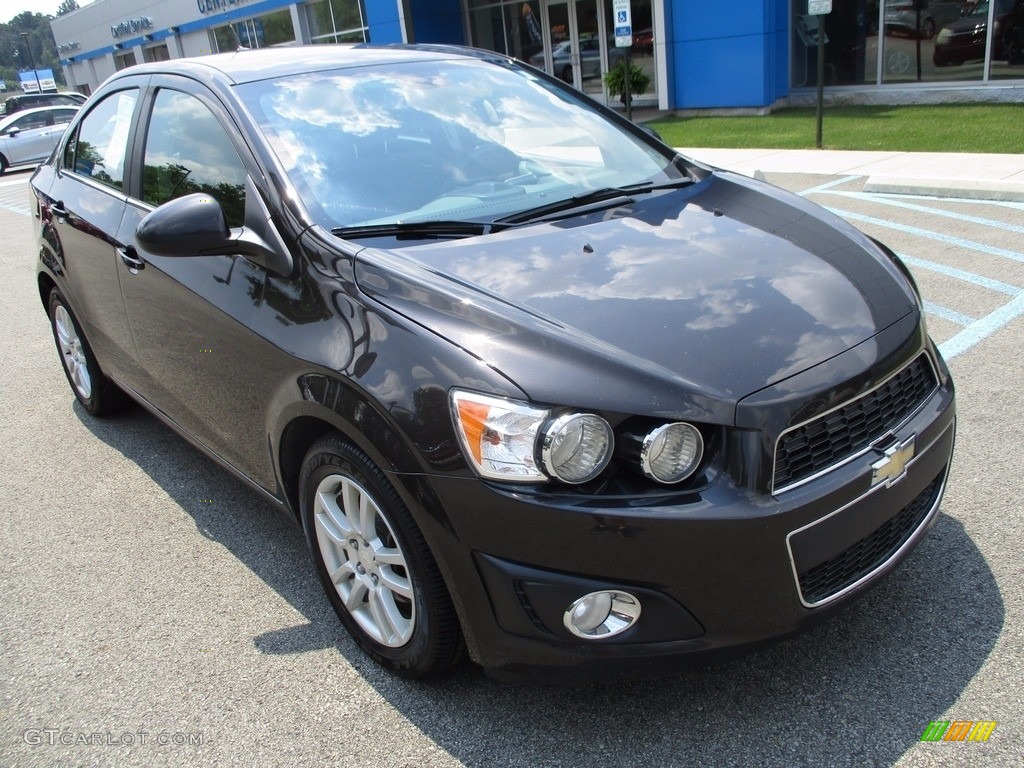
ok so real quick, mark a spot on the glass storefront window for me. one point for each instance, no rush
(336, 21)
(259, 32)
(511, 27)
(642, 50)
(869, 42)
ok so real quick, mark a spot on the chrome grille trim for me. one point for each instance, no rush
(874, 440)
(911, 539)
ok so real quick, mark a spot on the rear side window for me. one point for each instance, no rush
(100, 144)
(188, 151)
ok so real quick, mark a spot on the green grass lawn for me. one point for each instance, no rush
(939, 128)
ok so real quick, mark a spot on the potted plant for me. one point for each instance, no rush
(615, 80)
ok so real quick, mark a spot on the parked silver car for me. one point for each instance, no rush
(29, 136)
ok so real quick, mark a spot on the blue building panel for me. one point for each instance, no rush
(721, 73)
(438, 21)
(702, 20)
(383, 21)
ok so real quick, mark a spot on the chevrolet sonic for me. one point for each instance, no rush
(537, 388)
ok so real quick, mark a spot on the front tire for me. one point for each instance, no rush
(374, 563)
(97, 394)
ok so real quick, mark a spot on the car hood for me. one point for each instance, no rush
(681, 302)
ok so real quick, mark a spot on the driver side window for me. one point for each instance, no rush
(188, 151)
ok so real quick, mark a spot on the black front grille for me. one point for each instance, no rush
(839, 434)
(836, 574)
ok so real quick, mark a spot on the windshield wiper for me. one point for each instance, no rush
(583, 199)
(414, 230)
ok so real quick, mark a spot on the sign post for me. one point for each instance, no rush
(820, 8)
(624, 39)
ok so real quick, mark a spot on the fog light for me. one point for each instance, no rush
(602, 614)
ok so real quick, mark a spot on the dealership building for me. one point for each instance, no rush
(696, 54)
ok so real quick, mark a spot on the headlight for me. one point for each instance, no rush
(499, 436)
(576, 447)
(514, 441)
(944, 36)
(671, 453)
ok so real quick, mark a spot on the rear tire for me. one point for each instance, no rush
(374, 563)
(97, 394)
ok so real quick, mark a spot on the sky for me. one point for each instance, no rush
(11, 8)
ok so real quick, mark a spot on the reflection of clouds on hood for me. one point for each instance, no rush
(719, 309)
(813, 346)
(817, 288)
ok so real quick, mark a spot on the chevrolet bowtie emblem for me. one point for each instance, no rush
(891, 468)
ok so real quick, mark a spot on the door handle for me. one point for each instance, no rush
(58, 210)
(131, 258)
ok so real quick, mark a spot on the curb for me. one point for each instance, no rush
(969, 189)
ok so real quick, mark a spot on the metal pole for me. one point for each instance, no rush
(32, 61)
(628, 87)
(821, 79)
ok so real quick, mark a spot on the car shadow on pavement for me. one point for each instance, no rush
(857, 690)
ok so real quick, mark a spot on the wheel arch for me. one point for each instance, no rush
(331, 405)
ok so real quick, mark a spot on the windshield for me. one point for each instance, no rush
(441, 140)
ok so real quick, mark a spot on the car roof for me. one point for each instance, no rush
(245, 66)
(4, 119)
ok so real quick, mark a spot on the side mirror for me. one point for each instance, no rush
(195, 225)
(187, 226)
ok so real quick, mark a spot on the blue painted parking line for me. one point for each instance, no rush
(983, 328)
(975, 330)
(896, 203)
(828, 185)
(968, 200)
(959, 242)
(948, 314)
(961, 274)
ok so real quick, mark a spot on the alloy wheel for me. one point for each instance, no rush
(72, 352)
(364, 560)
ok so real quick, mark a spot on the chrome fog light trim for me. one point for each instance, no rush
(576, 447)
(672, 452)
(602, 614)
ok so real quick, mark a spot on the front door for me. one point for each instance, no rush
(577, 44)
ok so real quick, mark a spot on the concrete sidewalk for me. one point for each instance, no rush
(965, 175)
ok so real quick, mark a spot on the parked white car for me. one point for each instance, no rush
(29, 136)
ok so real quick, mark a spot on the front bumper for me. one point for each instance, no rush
(716, 572)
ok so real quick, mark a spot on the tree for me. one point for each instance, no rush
(13, 55)
(67, 6)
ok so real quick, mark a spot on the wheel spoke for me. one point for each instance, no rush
(367, 518)
(391, 624)
(400, 585)
(388, 556)
(356, 595)
(343, 572)
(331, 519)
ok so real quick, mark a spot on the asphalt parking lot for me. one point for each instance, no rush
(155, 612)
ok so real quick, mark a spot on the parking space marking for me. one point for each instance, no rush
(14, 196)
(959, 242)
(969, 200)
(829, 185)
(948, 314)
(961, 274)
(899, 203)
(983, 328)
(974, 330)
